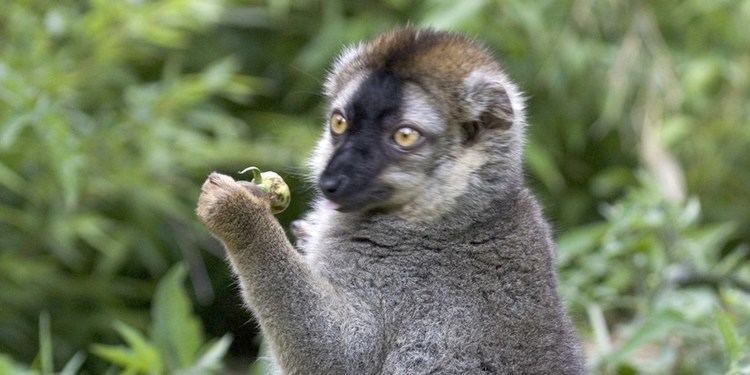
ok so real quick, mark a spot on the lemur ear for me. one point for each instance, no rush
(488, 99)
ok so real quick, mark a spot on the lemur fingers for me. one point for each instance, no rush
(301, 230)
(225, 205)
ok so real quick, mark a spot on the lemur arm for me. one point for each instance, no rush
(299, 312)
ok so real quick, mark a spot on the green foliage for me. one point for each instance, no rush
(176, 344)
(111, 114)
(103, 133)
(666, 285)
(141, 355)
(44, 363)
(177, 333)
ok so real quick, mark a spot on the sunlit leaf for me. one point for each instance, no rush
(73, 366)
(175, 330)
(211, 360)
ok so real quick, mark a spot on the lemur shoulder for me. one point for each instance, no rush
(424, 252)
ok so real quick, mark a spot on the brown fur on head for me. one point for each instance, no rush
(439, 60)
(454, 91)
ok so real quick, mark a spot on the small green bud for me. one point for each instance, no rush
(271, 183)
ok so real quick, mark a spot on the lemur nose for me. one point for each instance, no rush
(330, 185)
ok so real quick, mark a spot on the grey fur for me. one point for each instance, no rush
(466, 287)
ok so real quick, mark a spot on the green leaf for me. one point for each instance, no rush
(6, 365)
(9, 367)
(261, 365)
(210, 361)
(712, 237)
(140, 356)
(610, 181)
(732, 341)
(175, 330)
(657, 327)
(12, 128)
(732, 260)
(215, 353)
(599, 326)
(141, 347)
(11, 180)
(120, 356)
(45, 345)
(74, 364)
(579, 241)
(542, 165)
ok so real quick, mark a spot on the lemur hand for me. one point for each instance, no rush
(229, 208)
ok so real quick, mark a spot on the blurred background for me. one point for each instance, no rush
(113, 112)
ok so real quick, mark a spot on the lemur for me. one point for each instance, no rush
(424, 252)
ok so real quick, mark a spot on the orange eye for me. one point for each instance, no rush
(406, 137)
(338, 124)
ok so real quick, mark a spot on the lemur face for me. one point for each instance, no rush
(412, 115)
(380, 143)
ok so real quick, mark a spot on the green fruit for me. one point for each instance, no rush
(271, 183)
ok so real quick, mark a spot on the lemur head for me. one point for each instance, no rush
(418, 119)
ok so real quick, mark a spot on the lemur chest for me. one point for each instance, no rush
(426, 307)
(429, 308)
(406, 281)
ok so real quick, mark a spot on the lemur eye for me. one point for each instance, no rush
(338, 124)
(406, 137)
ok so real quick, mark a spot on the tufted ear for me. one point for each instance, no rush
(491, 101)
